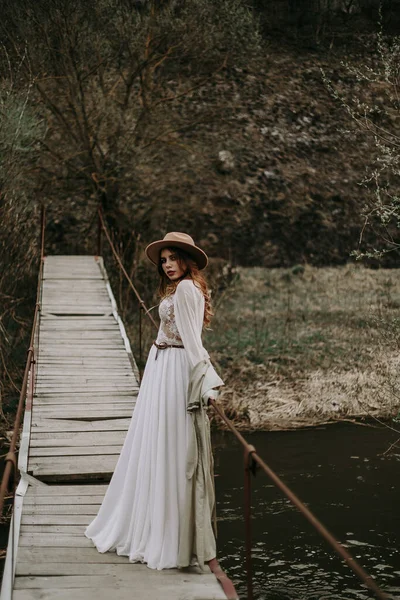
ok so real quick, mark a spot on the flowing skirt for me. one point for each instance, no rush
(140, 513)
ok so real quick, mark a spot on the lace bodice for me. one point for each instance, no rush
(168, 332)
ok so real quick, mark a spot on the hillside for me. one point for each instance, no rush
(198, 116)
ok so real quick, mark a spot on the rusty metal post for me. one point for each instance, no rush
(140, 341)
(99, 230)
(248, 451)
(31, 388)
(42, 228)
(12, 526)
(10, 459)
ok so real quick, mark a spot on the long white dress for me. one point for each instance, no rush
(140, 513)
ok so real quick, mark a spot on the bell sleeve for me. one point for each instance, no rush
(189, 314)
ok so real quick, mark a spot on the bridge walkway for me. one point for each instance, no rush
(85, 391)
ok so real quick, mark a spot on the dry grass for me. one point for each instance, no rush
(304, 346)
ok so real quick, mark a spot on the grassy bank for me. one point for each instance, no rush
(303, 346)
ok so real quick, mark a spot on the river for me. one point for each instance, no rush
(340, 473)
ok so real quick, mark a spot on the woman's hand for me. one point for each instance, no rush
(212, 395)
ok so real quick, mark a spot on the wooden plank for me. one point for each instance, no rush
(87, 361)
(89, 467)
(53, 374)
(191, 592)
(76, 276)
(83, 416)
(59, 529)
(52, 370)
(85, 375)
(81, 465)
(77, 352)
(62, 438)
(56, 520)
(61, 410)
(52, 324)
(127, 579)
(50, 569)
(75, 451)
(61, 509)
(109, 396)
(108, 391)
(70, 490)
(135, 570)
(82, 413)
(63, 299)
(132, 390)
(88, 379)
(109, 386)
(51, 540)
(52, 285)
(50, 425)
(82, 372)
(80, 335)
(68, 555)
(64, 290)
(54, 403)
(123, 402)
(78, 345)
(68, 397)
(76, 411)
(53, 499)
(51, 405)
(121, 587)
(91, 289)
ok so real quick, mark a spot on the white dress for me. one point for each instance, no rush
(140, 513)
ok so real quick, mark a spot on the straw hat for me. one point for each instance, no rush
(176, 239)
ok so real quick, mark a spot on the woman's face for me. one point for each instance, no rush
(171, 265)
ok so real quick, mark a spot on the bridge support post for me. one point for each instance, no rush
(99, 230)
(249, 469)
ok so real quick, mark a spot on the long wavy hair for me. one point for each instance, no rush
(168, 287)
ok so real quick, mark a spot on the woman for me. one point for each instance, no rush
(150, 511)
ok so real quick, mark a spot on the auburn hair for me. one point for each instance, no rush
(192, 271)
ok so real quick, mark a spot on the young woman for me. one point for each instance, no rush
(157, 508)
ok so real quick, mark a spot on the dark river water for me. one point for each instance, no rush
(339, 472)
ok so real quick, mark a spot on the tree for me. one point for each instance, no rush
(374, 106)
(20, 129)
(109, 76)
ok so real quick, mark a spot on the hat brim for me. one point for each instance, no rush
(153, 252)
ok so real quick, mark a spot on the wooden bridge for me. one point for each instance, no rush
(76, 417)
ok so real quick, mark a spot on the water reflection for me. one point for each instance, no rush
(340, 473)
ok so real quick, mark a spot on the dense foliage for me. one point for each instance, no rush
(195, 115)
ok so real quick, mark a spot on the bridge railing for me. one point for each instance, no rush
(252, 462)
(9, 479)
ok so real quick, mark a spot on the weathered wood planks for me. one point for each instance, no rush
(86, 387)
(85, 393)
(56, 560)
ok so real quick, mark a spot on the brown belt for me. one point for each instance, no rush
(164, 346)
